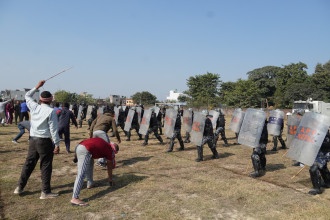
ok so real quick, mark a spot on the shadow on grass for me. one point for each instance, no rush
(226, 154)
(270, 152)
(120, 180)
(274, 167)
(133, 160)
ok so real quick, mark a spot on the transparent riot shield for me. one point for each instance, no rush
(187, 120)
(100, 110)
(139, 113)
(237, 120)
(89, 112)
(79, 113)
(145, 122)
(215, 117)
(70, 107)
(157, 109)
(293, 123)
(129, 119)
(252, 127)
(275, 122)
(116, 110)
(198, 129)
(170, 118)
(309, 137)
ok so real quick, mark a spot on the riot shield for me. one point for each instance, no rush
(89, 112)
(124, 107)
(309, 137)
(157, 109)
(187, 120)
(139, 112)
(237, 120)
(170, 118)
(79, 113)
(198, 128)
(70, 107)
(293, 123)
(145, 122)
(275, 121)
(252, 127)
(129, 119)
(100, 110)
(116, 110)
(215, 117)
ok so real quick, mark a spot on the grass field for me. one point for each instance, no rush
(151, 184)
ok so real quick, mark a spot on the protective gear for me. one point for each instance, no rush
(199, 154)
(220, 129)
(152, 128)
(258, 161)
(205, 112)
(177, 134)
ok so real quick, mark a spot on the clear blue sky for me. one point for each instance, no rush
(125, 46)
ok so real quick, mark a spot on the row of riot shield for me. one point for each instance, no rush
(129, 119)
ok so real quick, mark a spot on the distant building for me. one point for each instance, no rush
(18, 95)
(129, 102)
(115, 99)
(174, 94)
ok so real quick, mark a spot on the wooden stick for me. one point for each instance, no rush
(285, 153)
(58, 73)
(298, 172)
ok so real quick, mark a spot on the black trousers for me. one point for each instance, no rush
(38, 148)
(24, 115)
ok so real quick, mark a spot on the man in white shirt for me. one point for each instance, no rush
(43, 132)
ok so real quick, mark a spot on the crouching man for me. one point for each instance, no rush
(86, 152)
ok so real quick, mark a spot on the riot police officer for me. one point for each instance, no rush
(319, 168)
(135, 125)
(220, 128)
(153, 127)
(208, 137)
(177, 132)
(259, 154)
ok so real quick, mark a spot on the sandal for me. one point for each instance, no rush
(82, 204)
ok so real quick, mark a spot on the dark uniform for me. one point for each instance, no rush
(135, 125)
(153, 127)
(319, 168)
(220, 129)
(259, 153)
(208, 137)
(121, 120)
(94, 115)
(177, 134)
(83, 114)
(279, 138)
(187, 140)
(159, 122)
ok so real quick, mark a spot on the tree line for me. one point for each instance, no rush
(266, 86)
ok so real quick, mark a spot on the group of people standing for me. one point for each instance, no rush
(48, 125)
(13, 110)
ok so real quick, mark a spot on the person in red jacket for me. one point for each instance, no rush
(86, 152)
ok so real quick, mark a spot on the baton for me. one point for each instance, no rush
(299, 172)
(285, 153)
(58, 73)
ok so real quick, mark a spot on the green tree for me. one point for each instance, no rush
(204, 89)
(144, 97)
(62, 96)
(265, 79)
(246, 94)
(321, 82)
(289, 77)
(183, 98)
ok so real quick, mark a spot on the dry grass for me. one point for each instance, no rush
(151, 184)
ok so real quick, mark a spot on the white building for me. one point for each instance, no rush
(115, 99)
(174, 94)
(18, 95)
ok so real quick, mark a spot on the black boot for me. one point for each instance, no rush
(128, 136)
(256, 165)
(181, 145)
(226, 142)
(326, 177)
(316, 180)
(200, 154)
(215, 153)
(275, 143)
(170, 149)
(282, 143)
